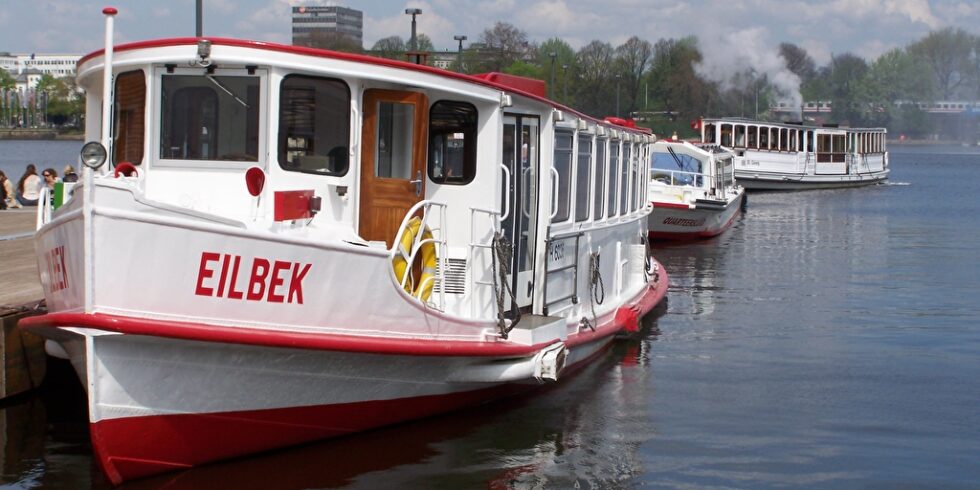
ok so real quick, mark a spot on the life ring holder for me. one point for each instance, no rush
(413, 248)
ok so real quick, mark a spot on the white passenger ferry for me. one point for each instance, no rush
(273, 244)
(693, 190)
(794, 156)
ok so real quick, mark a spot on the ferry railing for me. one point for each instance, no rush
(438, 233)
(551, 245)
(679, 177)
(44, 207)
(477, 245)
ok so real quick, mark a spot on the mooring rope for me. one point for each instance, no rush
(500, 259)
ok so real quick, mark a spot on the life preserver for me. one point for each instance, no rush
(422, 289)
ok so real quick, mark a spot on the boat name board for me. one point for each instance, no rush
(670, 220)
(265, 282)
(54, 259)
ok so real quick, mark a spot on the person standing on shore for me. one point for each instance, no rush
(6, 191)
(29, 187)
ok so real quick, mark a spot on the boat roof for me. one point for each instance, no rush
(713, 150)
(787, 124)
(504, 83)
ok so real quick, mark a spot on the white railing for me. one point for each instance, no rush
(477, 244)
(679, 177)
(436, 226)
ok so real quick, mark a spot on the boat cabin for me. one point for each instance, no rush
(344, 149)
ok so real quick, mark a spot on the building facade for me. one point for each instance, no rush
(312, 21)
(56, 65)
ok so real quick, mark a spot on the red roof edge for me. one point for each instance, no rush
(529, 85)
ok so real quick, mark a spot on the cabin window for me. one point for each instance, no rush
(838, 148)
(709, 133)
(634, 178)
(211, 117)
(774, 139)
(452, 142)
(809, 141)
(624, 173)
(783, 139)
(599, 186)
(753, 137)
(726, 135)
(740, 136)
(763, 138)
(611, 178)
(314, 125)
(128, 117)
(583, 177)
(563, 165)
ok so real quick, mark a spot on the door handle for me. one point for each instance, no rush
(417, 182)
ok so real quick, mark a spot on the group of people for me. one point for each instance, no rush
(27, 191)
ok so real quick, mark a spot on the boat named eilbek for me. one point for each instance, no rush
(794, 156)
(289, 244)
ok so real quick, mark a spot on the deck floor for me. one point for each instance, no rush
(19, 281)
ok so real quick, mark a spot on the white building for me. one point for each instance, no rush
(331, 20)
(56, 65)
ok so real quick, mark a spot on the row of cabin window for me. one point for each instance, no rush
(201, 123)
(619, 183)
(790, 139)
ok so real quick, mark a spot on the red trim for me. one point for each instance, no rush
(110, 11)
(134, 447)
(529, 85)
(290, 205)
(359, 58)
(328, 341)
(673, 205)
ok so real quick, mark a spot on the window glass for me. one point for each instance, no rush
(396, 127)
(753, 137)
(600, 166)
(611, 177)
(563, 164)
(452, 142)
(676, 168)
(624, 171)
(709, 133)
(634, 180)
(726, 135)
(582, 177)
(740, 135)
(314, 125)
(128, 117)
(764, 138)
(210, 117)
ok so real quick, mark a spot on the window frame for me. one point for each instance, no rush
(156, 136)
(469, 152)
(280, 142)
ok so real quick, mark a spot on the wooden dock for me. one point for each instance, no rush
(22, 355)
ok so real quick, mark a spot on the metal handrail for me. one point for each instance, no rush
(440, 243)
(673, 176)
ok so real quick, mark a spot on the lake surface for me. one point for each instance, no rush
(830, 339)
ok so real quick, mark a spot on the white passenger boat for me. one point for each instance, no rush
(288, 244)
(794, 156)
(693, 190)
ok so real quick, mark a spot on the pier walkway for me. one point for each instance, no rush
(19, 282)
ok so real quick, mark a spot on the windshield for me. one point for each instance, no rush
(210, 117)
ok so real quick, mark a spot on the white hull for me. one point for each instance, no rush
(759, 181)
(693, 222)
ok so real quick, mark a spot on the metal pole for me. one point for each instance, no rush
(200, 18)
(617, 95)
(551, 86)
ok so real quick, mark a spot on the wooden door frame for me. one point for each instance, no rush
(369, 189)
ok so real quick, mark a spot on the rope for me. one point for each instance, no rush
(501, 256)
(598, 290)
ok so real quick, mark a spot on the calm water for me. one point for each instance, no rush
(831, 339)
(15, 155)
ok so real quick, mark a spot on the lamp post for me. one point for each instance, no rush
(564, 84)
(413, 13)
(617, 94)
(459, 52)
(551, 86)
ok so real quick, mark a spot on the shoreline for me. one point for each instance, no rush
(39, 135)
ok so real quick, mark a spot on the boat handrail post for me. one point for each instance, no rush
(106, 138)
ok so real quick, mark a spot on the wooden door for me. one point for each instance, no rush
(392, 160)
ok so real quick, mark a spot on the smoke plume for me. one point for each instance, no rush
(735, 59)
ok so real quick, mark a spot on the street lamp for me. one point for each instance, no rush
(551, 86)
(413, 13)
(617, 94)
(564, 84)
(459, 53)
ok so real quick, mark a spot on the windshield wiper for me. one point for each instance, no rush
(226, 90)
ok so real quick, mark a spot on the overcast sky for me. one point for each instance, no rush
(863, 27)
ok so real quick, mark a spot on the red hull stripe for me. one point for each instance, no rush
(320, 341)
(673, 205)
(135, 447)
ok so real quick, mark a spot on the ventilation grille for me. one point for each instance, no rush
(455, 276)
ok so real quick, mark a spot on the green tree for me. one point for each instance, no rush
(503, 44)
(894, 79)
(677, 90)
(391, 47)
(564, 65)
(947, 53)
(847, 73)
(632, 59)
(594, 91)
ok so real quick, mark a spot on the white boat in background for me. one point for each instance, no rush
(693, 190)
(794, 156)
(289, 244)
